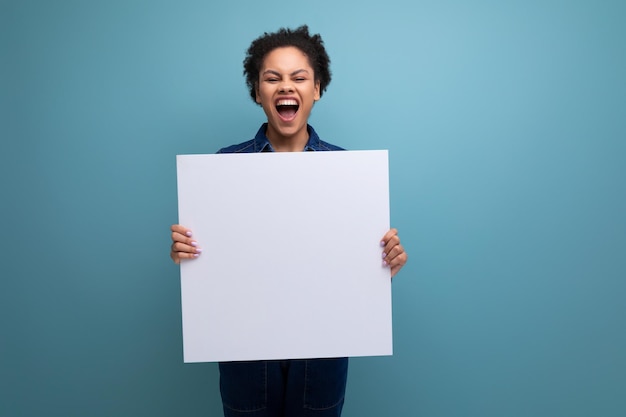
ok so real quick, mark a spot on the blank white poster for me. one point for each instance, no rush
(291, 263)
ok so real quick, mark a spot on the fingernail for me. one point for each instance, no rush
(198, 250)
(194, 243)
(195, 255)
(384, 255)
(382, 243)
(385, 263)
(188, 233)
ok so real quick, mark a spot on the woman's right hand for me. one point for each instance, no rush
(183, 246)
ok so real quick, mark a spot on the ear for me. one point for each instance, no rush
(258, 96)
(317, 95)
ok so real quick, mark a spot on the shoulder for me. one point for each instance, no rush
(258, 144)
(325, 146)
(243, 147)
(315, 143)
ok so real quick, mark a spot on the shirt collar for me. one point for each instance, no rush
(262, 143)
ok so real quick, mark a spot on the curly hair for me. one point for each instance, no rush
(311, 45)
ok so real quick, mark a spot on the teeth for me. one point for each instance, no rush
(287, 103)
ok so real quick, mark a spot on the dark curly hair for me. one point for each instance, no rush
(311, 45)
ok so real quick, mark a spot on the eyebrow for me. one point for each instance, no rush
(278, 73)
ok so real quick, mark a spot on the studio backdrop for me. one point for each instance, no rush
(505, 124)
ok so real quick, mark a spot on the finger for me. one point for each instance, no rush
(397, 263)
(399, 259)
(392, 248)
(393, 253)
(181, 244)
(185, 248)
(390, 233)
(177, 228)
(396, 260)
(183, 235)
(178, 238)
(178, 256)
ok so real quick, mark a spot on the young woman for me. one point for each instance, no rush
(286, 73)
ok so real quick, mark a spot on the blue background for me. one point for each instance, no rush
(506, 126)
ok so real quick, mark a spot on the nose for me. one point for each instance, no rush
(286, 87)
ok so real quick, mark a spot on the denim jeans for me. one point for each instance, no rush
(289, 388)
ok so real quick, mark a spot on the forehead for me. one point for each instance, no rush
(286, 59)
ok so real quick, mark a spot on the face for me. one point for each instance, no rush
(287, 91)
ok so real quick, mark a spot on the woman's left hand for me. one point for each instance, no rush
(394, 255)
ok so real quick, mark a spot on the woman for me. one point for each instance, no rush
(286, 73)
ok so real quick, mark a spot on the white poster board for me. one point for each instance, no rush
(291, 263)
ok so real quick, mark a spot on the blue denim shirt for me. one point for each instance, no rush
(260, 143)
(260, 386)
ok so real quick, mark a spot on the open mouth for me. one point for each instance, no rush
(287, 108)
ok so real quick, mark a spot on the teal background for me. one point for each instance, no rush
(506, 127)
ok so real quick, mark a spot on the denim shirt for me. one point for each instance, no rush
(260, 143)
(260, 386)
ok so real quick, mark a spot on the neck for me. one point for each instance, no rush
(287, 143)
